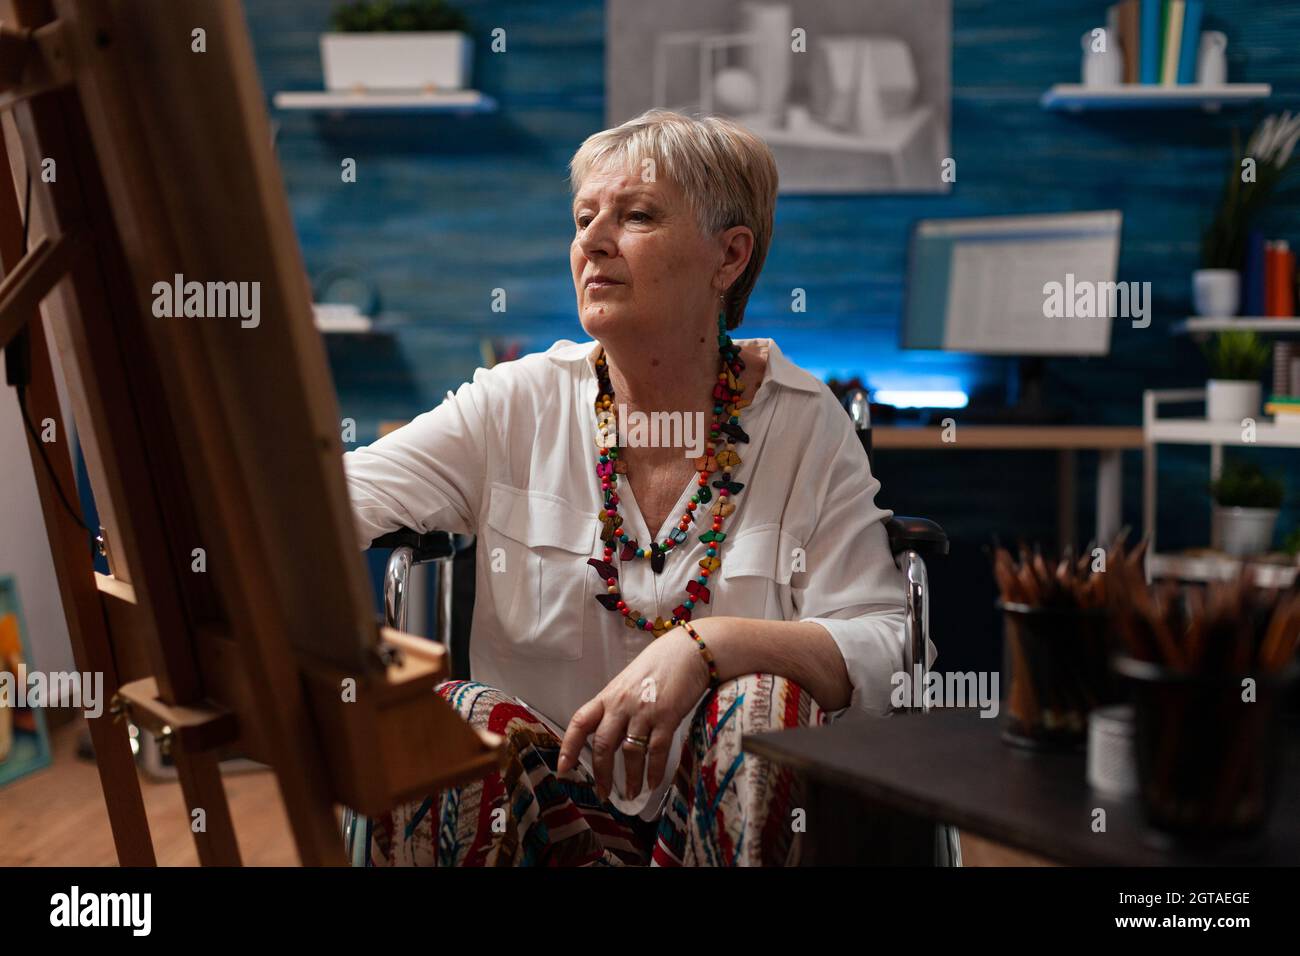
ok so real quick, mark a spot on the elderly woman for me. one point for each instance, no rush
(641, 605)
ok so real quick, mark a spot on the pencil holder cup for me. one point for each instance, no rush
(1057, 662)
(1209, 747)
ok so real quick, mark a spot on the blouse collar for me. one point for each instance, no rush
(779, 368)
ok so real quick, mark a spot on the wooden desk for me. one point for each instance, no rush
(952, 767)
(1066, 440)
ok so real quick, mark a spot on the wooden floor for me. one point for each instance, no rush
(56, 817)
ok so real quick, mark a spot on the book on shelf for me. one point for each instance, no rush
(1149, 42)
(1284, 403)
(1279, 279)
(1172, 41)
(1268, 278)
(1285, 411)
(1193, 10)
(1252, 276)
(1286, 371)
(1128, 15)
(1160, 39)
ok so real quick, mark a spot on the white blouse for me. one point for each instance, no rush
(511, 458)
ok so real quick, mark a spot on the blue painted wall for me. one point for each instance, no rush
(447, 209)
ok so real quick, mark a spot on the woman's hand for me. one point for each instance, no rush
(648, 698)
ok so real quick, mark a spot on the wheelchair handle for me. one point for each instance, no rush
(410, 548)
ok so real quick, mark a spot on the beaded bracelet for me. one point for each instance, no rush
(708, 656)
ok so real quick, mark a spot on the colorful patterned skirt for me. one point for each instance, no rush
(724, 808)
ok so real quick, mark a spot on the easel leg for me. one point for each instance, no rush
(69, 547)
(201, 783)
(90, 647)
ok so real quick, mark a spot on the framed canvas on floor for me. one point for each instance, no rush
(24, 741)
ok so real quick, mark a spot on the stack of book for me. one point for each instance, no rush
(1284, 404)
(1160, 39)
(1269, 278)
(1285, 410)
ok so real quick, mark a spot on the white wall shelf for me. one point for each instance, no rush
(1198, 431)
(414, 101)
(337, 319)
(1075, 97)
(361, 326)
(1200, 327)
(1204, 565)
(1216, 566)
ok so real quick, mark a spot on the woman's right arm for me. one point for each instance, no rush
(428, 475)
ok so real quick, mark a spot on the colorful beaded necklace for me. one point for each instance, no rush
(726, 422)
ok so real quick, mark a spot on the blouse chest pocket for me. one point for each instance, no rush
(756, 569)
(536, 570)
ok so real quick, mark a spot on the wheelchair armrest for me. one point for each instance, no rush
(921, 535)
(428, 546)
(409, 548)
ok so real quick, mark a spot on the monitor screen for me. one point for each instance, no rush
(1014, 285)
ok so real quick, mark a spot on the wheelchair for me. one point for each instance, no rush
(911, 541)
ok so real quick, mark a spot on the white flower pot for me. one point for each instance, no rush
(1216, 293)
(1244, 532)
(1232, 401)
(396, 61)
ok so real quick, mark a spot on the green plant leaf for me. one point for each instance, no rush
(1244, 485)
(1237, 355)
(398, 16)
(1223, 244)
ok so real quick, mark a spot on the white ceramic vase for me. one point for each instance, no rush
(1216, 292)
(1212, 59)
(1227, 401)
(1104, 67)
(768, 58)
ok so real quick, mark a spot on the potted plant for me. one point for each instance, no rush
(1216, 287)
(1291, 548)
(1246, 506)
(1237, 359)
(397, 45)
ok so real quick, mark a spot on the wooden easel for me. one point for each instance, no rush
(199, 433)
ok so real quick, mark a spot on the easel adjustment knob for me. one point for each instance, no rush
(390, 655)
(119, 708)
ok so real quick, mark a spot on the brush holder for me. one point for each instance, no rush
(1208, 755)
(1057, 662)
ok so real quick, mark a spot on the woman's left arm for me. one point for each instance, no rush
(801, 651)
(847, 641)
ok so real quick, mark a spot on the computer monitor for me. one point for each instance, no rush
(984, 285)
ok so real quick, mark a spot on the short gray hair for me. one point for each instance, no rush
(727, 173)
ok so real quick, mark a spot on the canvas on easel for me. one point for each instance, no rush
(237, 614)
